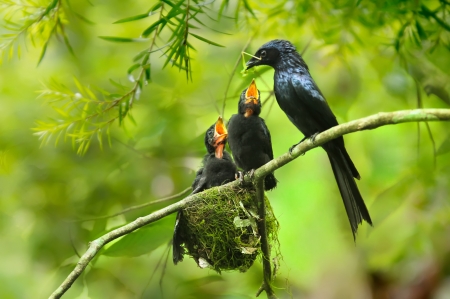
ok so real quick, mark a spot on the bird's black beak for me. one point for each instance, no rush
(220, 138)
(253, 62)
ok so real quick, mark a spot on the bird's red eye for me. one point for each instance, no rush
(263, 54)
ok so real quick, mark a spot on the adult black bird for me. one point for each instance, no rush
(249, 137)
(304, 104)
(218, 169)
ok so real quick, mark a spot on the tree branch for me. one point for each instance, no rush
(367, 123)
(267, 272)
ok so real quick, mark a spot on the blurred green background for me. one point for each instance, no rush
(366, 56)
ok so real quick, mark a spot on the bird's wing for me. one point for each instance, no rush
(199, 183)
(268, 146)
(310, 95)
(198, 177)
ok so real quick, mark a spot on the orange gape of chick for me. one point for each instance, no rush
(251, 95)
(220, 136)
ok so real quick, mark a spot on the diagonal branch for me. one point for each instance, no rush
(367, 123)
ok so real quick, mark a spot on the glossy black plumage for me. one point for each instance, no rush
(218, 169)
(299, 97)
(249, 137)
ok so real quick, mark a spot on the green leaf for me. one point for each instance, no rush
(123, 39)
(132, 118)
(133, 67)
(445, 147)
(100, 139)
(140, 55)
(420, 31)
(153, 27)
(247, 6)
(67, 43)
(83, 18)
(108, 134)
(133, 18)
(44, 49)
(117, 84)
(120, 114)
(206, 40)
(147, 72)
(175, 10)
(140, 242)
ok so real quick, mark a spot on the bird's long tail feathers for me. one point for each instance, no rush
(344, 174)
(177, 249)
(352, 166)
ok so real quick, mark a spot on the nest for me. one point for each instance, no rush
(220, 231)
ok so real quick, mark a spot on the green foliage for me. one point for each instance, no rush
(33, 21)
(151, 97)
(82, 116)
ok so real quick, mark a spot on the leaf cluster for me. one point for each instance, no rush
(34, 22)
(85, 116)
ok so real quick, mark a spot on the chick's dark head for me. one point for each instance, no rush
(249, 102)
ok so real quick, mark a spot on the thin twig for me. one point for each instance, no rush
(133, 208)
(433, 144)
(234, 71)
(267, 272)
(419, 106)
(366, 123)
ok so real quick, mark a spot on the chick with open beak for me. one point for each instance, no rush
(219, 138)
(249, 137)
(218, 169)
(249, 103)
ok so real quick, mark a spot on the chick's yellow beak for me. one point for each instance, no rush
(252, 95)
(220, 137)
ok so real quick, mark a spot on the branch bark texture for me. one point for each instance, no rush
(367, 123)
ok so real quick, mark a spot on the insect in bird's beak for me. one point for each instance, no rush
(220, 137)
(246, 66)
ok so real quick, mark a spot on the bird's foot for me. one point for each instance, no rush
(251, 173)
(313, 137)
(292, 147)
(240, 176)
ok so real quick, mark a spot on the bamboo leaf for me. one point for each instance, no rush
(67, 43)
(132, 118)
(100, 139)
(133, 18)
(133, 67)
(247, 6)
(108, 135)
(116, 84)
(152, 27)
(44, 49)
(206, 40)
(123, 39)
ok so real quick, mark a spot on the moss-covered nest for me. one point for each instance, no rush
(220, 231)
